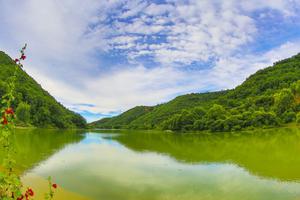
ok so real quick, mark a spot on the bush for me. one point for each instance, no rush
(298, 118)
(216, 112)
(172, 123)
(233, 122)
(288, 117)
(283, 101)
(23, 113)
(200, 125)
(261, 118)
(198, 112)
(217, 125)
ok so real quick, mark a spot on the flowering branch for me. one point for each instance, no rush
(10, 183)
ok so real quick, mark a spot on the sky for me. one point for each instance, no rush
(102, 57)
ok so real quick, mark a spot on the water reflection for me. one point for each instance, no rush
(33, 146)
(155, 166)
(268, 153)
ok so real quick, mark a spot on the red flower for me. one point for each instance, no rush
(4, 120)
(21, 197)
(17, 60)
(23, 57)
(54, 185)
(30, 192)
(9, 111)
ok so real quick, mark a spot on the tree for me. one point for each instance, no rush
(42, 117)
(296, 87)
(298, 118)
(216, 112)
(264, 101)
(172, 123)
(199, 125)
(78, 120)
(198, 112)
(262, 118)
(233, 122)
(23, 112)
(187, 120)
(288, 116)
(283, 101)
(217, 125)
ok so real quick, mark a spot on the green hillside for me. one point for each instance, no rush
(164, 111)
(125, 118)
(33, 105)
(270, 97)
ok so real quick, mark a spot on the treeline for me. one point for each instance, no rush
(263, 111)
(125, 118)
(270, 97)
(32, 104)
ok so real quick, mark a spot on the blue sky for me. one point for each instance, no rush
(103, 57)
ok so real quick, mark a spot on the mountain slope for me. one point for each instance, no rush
(145, 118)
(43, 110)
(125, 118)
(269, 97)
(175, 106)
(281, 75)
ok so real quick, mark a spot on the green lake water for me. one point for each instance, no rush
(136, 165)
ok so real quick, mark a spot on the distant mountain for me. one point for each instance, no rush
(124, 119)
(33, 104)
(270, 97)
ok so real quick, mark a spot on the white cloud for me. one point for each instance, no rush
(66, 37)
(232, 71)
(124, 89)
(120, 90)
(187, 32)
(191, 31)
(286, 7)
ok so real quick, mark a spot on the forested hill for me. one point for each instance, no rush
(33, 105)
(270, 97)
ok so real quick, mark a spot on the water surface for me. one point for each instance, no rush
(162, 166)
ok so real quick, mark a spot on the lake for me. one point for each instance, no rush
(137, 165)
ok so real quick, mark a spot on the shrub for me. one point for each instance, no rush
(23, 113)
(288, 117)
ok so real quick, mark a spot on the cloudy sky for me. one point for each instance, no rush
(102, 57)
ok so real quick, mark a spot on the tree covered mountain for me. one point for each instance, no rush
(33, 105)
(270, 97)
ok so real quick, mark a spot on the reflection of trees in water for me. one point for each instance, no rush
(270, 153)
(267, 153)
(33, 146)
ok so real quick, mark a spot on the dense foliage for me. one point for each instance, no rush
(35, 106)
(125, 118)
(11, 187)
(270, 97)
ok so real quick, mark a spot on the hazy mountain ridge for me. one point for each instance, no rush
(266, 98)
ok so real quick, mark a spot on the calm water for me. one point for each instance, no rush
(155, 166)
